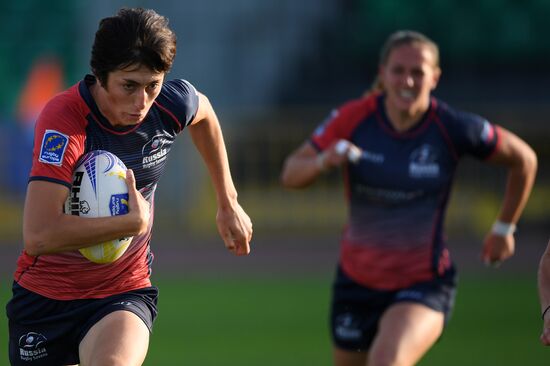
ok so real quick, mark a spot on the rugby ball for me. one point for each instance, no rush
(99, 189)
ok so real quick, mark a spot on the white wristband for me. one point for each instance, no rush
(503, 228)
(345, 147)
(342, 146)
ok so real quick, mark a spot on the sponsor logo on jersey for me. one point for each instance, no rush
(423, 162)
(155, 151)
(53, 147)
(32, 346)
(386, 195)
(372, 157)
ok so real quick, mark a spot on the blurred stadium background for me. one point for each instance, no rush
(273, 70)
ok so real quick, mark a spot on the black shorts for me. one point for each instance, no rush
(47, 332)
(356, 309)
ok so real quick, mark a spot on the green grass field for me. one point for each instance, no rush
(283, 322)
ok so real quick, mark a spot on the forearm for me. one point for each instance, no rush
(521, 162)
(300, 172)
(207, 137)
(518, 188)
(47, 229)
(67, 232)
(303, 166)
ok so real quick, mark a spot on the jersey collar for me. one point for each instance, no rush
(414, 130)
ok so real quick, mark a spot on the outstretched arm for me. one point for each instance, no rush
(305, 164)
(544, 294)
(234, 225)
(521, 162)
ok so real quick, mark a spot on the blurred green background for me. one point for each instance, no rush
(273, 70)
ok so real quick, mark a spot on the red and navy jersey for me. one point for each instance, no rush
(71, 125)
(399, 189)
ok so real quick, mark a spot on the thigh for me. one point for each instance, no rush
(119, 338)
(118, 333)
(406, 332)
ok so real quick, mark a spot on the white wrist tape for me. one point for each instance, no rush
(342, 146)
(503, 228)
(352, 151)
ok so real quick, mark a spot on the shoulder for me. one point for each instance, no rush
(468, 131)
(59, 137)
(68, 101)
(177, 90)
(342, 121)
(362, 107)
(350, 113)
(180, 100)
(178, 87)
(66, 109)
(454, 117)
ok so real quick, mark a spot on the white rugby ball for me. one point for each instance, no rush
(99, 189)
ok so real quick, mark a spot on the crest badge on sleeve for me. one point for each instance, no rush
(53, 147)
(487, 132)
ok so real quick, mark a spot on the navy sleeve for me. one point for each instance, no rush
(179, 99)
(470, 134)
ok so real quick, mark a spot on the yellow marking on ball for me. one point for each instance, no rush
(107, 252)
(119, 174)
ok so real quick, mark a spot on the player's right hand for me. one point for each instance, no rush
(497, 248)
(235, 228)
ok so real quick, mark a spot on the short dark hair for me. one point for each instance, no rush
(134, 36)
